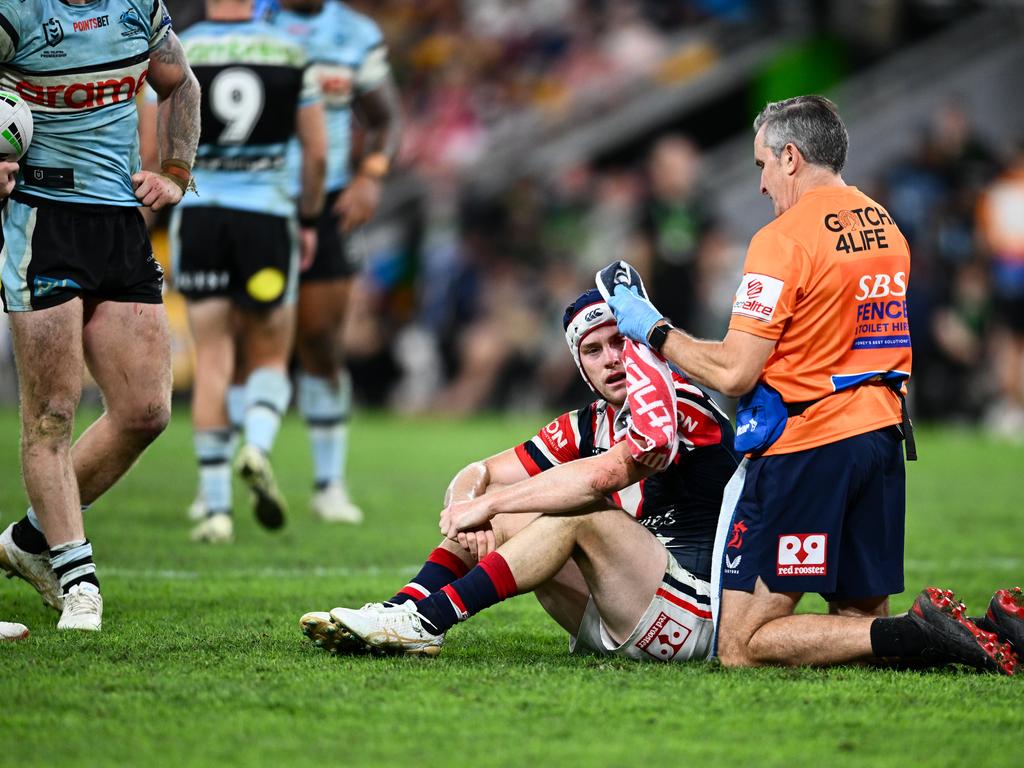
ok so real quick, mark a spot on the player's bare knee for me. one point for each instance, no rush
(51, 421)
(146, 422)
(594, 525)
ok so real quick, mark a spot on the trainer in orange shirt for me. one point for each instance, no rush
(818, 350)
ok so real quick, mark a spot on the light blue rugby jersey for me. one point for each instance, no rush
(253, 77)
(349, 57)
(79, 68)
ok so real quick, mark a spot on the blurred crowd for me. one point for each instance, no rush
(960, 203)
(460, 301)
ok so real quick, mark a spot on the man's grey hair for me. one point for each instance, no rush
(812, 124)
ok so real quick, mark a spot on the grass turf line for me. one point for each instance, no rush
(201, 663)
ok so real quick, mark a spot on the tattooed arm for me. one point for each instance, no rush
(177, 125)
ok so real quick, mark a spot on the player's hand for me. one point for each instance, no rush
(8, 174)
(357, 204)
(307, 247)
(467, 515)
(635, 315)
(478, 543)
(156, 191)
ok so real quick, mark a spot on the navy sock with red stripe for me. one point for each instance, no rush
(440, 570)
(490, 582)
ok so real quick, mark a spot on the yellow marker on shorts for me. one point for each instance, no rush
(266, 285)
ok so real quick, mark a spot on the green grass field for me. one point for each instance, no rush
(200, 661)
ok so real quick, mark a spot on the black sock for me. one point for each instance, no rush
(897, 637)
(28, 537)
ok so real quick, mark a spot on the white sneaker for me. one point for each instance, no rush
(321, 629)
(83, 609)
(333, 505)
(215, 529)
(198, 510)
(391, 628)
(10, 630)
(35, 569)
(269, 506)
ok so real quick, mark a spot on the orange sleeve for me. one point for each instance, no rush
(773, 277)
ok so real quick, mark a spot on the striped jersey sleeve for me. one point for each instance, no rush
(310, 93)
(159, 24)
(700, 419)
(557, 443)
(373, 70)
(9, 32)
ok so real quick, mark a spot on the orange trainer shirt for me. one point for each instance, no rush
(827, 280)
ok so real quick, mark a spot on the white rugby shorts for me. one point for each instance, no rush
(676, 626)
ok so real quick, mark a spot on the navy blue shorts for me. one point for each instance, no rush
(828, 520)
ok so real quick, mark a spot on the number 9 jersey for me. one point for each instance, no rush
(253, 78)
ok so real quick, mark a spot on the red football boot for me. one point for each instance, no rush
(954, 638)
(1006, 617)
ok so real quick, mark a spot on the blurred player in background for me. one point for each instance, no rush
(350, 64)
(562, 510)
(819, 348)
(236, 249)
(1001, 232)
(79, 277)
(350, 61)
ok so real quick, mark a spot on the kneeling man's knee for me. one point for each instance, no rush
(733, 651)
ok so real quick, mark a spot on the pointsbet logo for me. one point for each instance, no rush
(802, 554)
(757, 296)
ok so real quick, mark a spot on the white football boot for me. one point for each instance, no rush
(319, 627)
(10, 630)
(35, 569)
(333, 505)
(253, 466)
(215, 529)
(390, 628)
(83, 609)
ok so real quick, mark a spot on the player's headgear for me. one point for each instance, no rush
(589, 312)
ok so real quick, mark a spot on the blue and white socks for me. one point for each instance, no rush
(326, 406)
(214, 448)
(267, 393)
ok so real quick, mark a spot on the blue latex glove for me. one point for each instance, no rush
(635, 315)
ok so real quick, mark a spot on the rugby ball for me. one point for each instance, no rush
(15, 126)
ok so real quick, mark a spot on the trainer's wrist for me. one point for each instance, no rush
(309, 222)
(658, 335)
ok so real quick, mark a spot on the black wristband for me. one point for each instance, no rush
(308, 222)
(658, 335)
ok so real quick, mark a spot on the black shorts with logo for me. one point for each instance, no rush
(250, 258)
(54, 252)
(336, 256)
